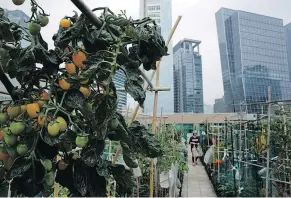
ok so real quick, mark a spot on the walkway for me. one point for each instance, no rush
(199, 184)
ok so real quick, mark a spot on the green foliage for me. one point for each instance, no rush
(280, 144)
(117, 43)
(173, 148)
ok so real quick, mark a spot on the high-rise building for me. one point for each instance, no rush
(161, 12)
(19, 17)
(119, 79)
(219, 106)
(288, 41)
(188, 83)
(253, 56)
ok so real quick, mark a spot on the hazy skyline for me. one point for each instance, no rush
(198, 22)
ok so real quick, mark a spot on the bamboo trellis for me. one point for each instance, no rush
(157, 72)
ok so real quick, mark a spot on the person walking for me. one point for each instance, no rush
(194, 142)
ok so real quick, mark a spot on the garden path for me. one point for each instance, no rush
(199, 184)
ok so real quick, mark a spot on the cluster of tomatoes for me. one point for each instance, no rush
(13, 124)
(74, 68)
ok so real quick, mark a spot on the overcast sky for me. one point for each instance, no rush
(198, 22)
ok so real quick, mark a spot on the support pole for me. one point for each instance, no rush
(154, 123)
(159, 62)
(146, 85)
(268, 142)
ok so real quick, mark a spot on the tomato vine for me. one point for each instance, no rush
(62, 109)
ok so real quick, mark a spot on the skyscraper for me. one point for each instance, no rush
(188, 83)
(19, 17)
(253, 56)
(219, 106)
(161, 12)
(119, 79)
(288, 42)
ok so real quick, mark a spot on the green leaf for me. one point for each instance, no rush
(104, 109)
(134, 85)
(143, 141)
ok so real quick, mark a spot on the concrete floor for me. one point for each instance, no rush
(199, 184)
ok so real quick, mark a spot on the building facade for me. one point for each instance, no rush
(188, 81)
(288, 42)
(219, 106)
(161, 12)
(253, 56)
(119, 80)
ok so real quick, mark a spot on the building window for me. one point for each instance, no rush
(152, 8)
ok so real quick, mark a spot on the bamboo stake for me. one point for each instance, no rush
(154, 122)
(146, 85)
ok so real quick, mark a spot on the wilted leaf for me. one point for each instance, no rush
(47, 151)
(80, 177)
(125, 182)
(129, 161)
(134, 85)
(143, 141)
(74, 99)
(19, 167)
(30, 182)
(90, 155)
(104, 109)
(50, 140)
(5, 32)
(97, 183)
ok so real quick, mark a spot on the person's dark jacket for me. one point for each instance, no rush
(195, 140)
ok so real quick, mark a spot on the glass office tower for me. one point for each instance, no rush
(253, 56)
(188, 81)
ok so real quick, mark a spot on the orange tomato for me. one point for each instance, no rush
(64, 84)
(86, 91)
(71, 68)
(78, 58)
(33, 110)
(218, 161)
(65, 23)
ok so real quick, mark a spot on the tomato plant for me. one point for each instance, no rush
(67, 100)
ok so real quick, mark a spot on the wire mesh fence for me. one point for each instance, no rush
(250, 156)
